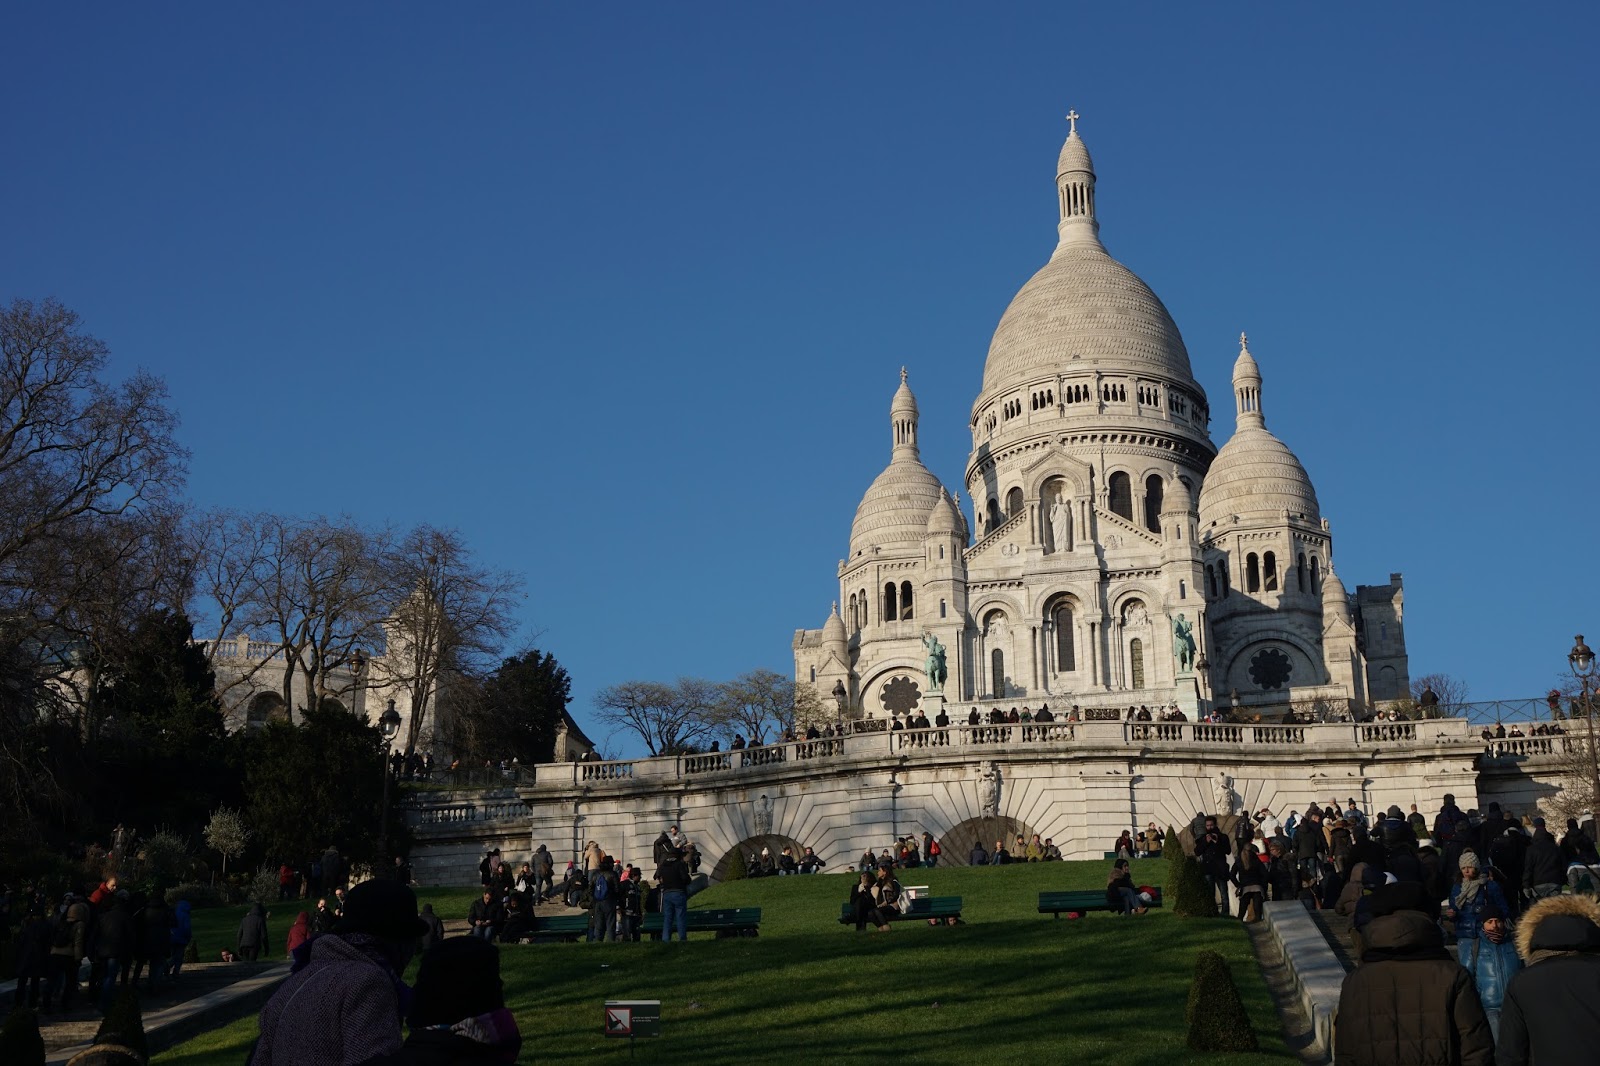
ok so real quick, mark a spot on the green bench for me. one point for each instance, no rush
(923, 907)
(735, 921)
(1057, 903)
(561, 927)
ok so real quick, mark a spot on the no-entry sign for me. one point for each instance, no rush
(633, 1017)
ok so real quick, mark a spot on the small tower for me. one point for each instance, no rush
(1075, 188)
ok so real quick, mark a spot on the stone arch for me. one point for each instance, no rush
(1308, 672)
(752, 845)
(266, 707)
(956, 843)
(872, 688)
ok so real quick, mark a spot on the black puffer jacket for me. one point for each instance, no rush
(1410, 1001)
(1551, 1014)
(1543, 865)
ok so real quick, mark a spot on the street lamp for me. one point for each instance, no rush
(1581, 661)
(388, 725)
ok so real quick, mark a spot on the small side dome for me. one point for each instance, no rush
(833, 628)
(894, 512)
(1178, 500)
(1335, 600)
(943, 518)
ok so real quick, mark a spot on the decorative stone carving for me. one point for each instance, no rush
(1223, 792)
(762, 817)
(1060, 523)
(989, 788)
(934, 665)
(1183, 643)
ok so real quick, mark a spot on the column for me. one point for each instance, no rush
(1033, 654)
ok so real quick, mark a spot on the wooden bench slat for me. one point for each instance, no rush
(921, 907)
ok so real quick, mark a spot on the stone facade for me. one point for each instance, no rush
(1101, 515)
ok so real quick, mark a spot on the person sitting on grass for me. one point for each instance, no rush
(1000, 857)
(1051, 852)
(1121, 895)
(458, 1014)
(868, 862)
(979, 857)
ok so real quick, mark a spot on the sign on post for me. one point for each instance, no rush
(633, 1017)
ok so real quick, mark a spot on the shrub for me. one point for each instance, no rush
(1192, 897)
(736, 870)
(124, 1026)
(199, 895)
(162, 859)
(20, 1041)
(263, 887)
(1215, 1014)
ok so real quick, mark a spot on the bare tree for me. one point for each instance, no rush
(1452, 692)
(758, 704)
(450, 616)
(669, 719)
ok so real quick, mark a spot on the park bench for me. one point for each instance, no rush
(734, 921)
(1090, 900)
(560, 927)
(921, 908)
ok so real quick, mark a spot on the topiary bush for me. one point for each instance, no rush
(736, 870)
(21, 1044)
(1215, 1014)
(1191, 896)
(124, 1025)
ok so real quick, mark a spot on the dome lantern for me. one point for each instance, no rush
(1075, 188)
(1247, 387)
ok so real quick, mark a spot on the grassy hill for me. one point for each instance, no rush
(1010, 985)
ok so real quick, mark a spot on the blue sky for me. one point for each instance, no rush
(622, 291)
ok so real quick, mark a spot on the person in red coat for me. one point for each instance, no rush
(300, 931)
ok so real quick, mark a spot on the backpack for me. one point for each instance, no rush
(935, 849)
(602, 888)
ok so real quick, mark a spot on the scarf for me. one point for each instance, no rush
(1470, 890)
(497, 1030)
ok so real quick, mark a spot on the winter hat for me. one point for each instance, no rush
(1469, 858)
(459, 978)
(382, 908)
(1395, 813)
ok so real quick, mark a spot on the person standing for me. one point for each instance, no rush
(1542, 869)
(673, 877)
(435, 930)
(1551, 1013)
(113, 948)
(182, 937)
(67, 948)
(253, 936)
(543, 872)
(604, 890)
(33, 958)
(353, 1010)
(1211, 848)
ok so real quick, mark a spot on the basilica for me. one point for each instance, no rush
(1102, 552)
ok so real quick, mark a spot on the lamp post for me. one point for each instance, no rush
(1581, 660)
(388, 725)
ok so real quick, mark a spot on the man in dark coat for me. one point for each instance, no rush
(253, 933)
(1211, 848)
(484, 918)
(1310, 844)
(1409, 1001)
(1551, 1014)
(113, 948)
(1543, 871)
(435, 931)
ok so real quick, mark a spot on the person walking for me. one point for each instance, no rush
(182, 936)
(253, 936)
(1551, 1012)
(604, 890)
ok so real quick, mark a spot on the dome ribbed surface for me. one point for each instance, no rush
(833, 628)
(1255, 474)
(1074, 156)
(1084, 304)
(943, 518)
(894, 511)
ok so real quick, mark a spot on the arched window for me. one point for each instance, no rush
(997, 673)
(1222, 575)
(1136, 662)
(994, 513)
(1316, 576)
(905, 600)
(1013, 503)
(861, 605)
(890, 610)
(1269, 566)
(1061, 618)
(1153, 501)
(1300, 574)
(1211, 582)
(1252, 573)
(941, 608)
(851, 615)
(1120, 489)
(813, 675)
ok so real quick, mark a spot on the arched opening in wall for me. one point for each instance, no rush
(997, 673)
(1300, 574)
(905, 601)
(1316, 576)
(1388, 686)
(1222, 575)
(862, 606)
(327, 705)
(955, 845)
(851, 615)
(1154, 500)
(1211, 582)
(1136, 663)
(266, 707)
(1120, 490)
(1061, 620)
(1269, 572)
(750, 850)
(941, 608)
(994, 513)
(1252, 573)
(891, 610)
(1013, 503)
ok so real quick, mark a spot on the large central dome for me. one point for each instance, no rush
(1083, 305)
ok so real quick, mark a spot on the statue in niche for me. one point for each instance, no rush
(1060, 524)
(1135, 616)
(763, 817)
(1223, 793)
(934, 665)
(989, 789)
(1183, 646)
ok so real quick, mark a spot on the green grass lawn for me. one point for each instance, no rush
(1011, 985)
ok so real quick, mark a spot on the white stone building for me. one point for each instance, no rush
(1102, 516)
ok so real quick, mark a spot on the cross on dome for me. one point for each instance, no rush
(1244, 343)
(1073, 117)
(902, 375)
